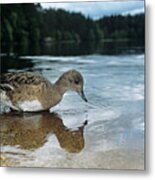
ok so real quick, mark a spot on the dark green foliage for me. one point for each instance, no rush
(29, 23)
(123, 27)
(7, 31)
(20, 23)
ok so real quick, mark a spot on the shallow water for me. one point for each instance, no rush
(107, 132)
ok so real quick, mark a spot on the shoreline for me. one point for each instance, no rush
(114, 159)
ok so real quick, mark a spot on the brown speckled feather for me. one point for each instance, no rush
(22, 78)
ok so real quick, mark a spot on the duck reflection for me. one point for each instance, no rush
(30, 131)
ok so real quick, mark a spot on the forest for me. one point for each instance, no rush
(30, 23)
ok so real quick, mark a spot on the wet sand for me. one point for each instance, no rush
(42, 140)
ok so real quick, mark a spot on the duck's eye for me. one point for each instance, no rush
(76, 81)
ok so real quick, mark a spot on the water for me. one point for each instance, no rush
(107, 132)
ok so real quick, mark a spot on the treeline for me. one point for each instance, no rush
(123, 27)
(30, 23)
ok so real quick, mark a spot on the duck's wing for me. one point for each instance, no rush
(10, 81)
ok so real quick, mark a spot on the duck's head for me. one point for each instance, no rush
(73, 80)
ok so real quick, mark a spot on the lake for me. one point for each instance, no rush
(106, 133)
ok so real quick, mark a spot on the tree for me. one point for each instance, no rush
(7, 31)
(91, 35)
(30, 23)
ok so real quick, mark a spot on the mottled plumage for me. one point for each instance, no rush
(26, 91)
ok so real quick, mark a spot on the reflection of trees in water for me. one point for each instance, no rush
(8, 63)
(11, 54)
(30, 131)
(70, 49)
(92, 47)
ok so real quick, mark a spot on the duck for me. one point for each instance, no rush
(30, 92)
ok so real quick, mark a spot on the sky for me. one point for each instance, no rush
(96, 10)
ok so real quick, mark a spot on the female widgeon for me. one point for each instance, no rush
(28, 92)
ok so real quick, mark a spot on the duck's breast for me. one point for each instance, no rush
(30, 105)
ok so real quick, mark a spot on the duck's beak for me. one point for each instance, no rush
(81, 93)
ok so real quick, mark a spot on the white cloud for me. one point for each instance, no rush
(134, 11)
